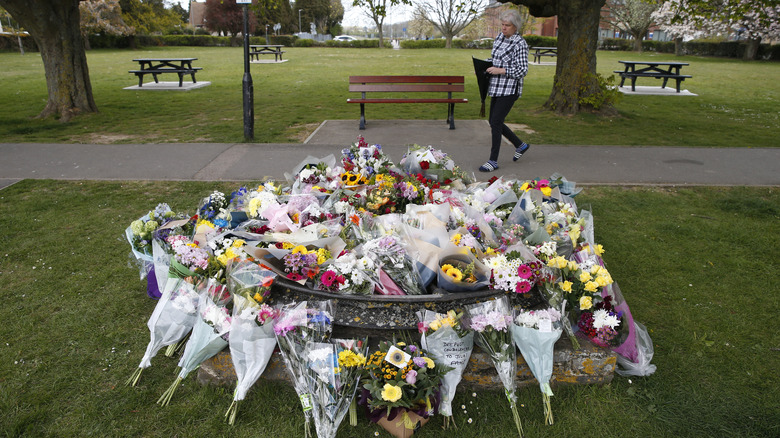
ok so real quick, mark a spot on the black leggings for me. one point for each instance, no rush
(499, 109)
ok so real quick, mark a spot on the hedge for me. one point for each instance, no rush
(9, 43)
(727, 49)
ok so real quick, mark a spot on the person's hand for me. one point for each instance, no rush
(496, 70)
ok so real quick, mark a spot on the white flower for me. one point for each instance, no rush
(602, 318)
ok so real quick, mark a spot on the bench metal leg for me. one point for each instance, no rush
(154, 75)
(451, 115)
(140, 79)
(362, 116)
(181, 79)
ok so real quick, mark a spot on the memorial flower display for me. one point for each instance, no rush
(361, 225)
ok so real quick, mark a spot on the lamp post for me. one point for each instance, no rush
(300, 29)
(247, 86)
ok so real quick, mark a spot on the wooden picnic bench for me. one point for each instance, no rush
(255, 50)
(384, 85)
(651, 69)
(156, 66)
(538, 52)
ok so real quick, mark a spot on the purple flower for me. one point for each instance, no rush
(419, 361)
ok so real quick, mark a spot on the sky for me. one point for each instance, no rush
(352, 16)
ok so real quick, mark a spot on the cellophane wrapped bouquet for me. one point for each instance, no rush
(297, 324)
(252, 340)
(172, 320)
(443, 335)
(535, 333)
(209, 335)
(333, 371)
(491, 322)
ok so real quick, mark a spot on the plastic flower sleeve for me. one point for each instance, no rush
(537, 347)
(644, 346)
(490, 322)
(251, 346)
(172, 319)
(208, 335)
(459, 271)
(450, 349)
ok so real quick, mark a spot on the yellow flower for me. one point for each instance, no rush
(557, 262)
(454, 273)
(585, 276)
(435, 325)
(300, 249)
(446, 267)
(524, 187)
(429, 362)
(599, 250)
(574, 234)
(258, 297)
(238, 243)
(565, 286)
(254, 206)
(591, 286)
(391, 393)
(287, 245)
(602, 280)
(586, 302)
(455, 239)
(546, 191)
(572, 265)
(595, 269)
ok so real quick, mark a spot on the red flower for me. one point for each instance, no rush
(522, 287)
(425, 165)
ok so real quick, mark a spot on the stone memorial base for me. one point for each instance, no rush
(588, 365)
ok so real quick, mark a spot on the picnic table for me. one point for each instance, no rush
(538, 52)
(255, 50)
(652, 69)
(156, 66)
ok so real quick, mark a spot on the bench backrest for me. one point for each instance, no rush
(448, 84)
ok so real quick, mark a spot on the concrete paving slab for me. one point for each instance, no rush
(268, 61)
(655, 91)
(157, 86)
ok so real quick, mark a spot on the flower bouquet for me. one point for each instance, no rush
(393, 260)
(350, 274)
(252, 339)
(295, 325)
(445, 338)
(460, 271)
(333, 373)
(512, 272)
(172, 319)
(209, 335)
(433, 164)
(252, 343)
(401, 383)
(490, 322)
(535, 333)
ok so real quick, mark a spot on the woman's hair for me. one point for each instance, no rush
(511, 16)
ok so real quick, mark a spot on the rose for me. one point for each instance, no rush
(411, 377)
(586, 302)
(391, 393)
(425, 165)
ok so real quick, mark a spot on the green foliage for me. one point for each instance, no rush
(540, 41)
(304, 42)
(722, 49)
(606, 96)
(437, 43)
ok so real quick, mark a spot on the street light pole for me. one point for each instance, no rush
(300, 29)
(247, 86)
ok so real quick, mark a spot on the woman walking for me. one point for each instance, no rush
(510, 65)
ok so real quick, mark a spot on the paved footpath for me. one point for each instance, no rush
(468, 146)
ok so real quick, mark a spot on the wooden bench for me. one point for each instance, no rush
(407, 85)
(538, 52)
(650, 69)
(156, 66)
(180, 71)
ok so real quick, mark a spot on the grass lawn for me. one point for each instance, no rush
(736, 104)
(697, 265)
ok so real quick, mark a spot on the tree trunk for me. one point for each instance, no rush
(751, 50)
(575, 72)
(678, 45)
(54, 24)
(638, 44)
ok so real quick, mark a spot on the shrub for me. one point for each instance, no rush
(304, 42)
(437, 43)
(9, 43)
(284, 40)
(540, 41)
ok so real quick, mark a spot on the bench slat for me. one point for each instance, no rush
(414, 88)
(406, 79)
(402, 100)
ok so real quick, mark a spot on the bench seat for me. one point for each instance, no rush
(154, 72)
(658, 75)
(407, 84)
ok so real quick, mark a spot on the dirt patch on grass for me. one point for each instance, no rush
(96, 138)
(520, 127)
(299, 133)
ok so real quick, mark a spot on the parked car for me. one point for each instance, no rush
(344, 38)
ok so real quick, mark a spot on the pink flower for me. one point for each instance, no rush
(328, 277)
(543, 183)
(411, 377)
(524, 271)
(522, 287)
